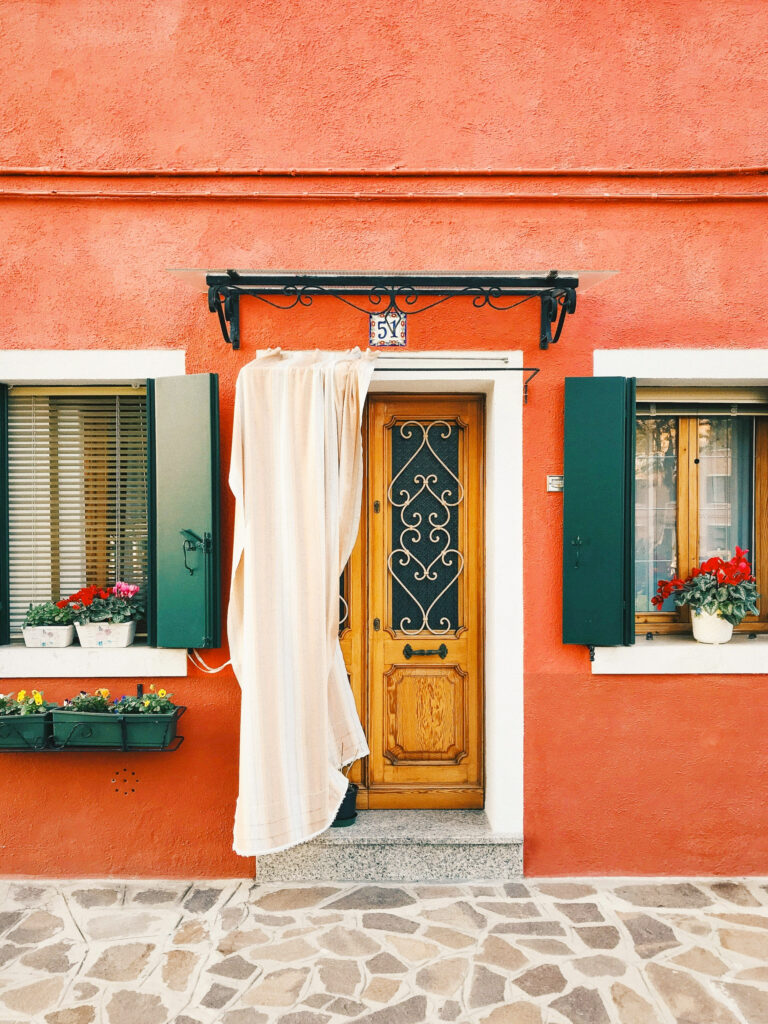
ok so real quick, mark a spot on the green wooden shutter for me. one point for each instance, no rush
(5, 539)
(184, 607)
(598, 511)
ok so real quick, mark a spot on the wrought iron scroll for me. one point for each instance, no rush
(425, 529)
(400, 299)
(343, 603)
(557, 299)
(227, 304)
(550, 303)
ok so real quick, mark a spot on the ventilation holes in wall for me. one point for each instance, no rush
(124, 781)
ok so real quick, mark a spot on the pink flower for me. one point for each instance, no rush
(126, 590)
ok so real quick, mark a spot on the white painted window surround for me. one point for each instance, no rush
(89, 366)
(486, 373)
(681, 655)
(19, 662)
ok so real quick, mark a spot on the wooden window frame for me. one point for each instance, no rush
(679, 621)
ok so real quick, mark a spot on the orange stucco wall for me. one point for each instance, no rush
(622, 775)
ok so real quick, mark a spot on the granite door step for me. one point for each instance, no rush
(401, 846)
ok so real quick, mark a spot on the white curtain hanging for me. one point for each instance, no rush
(296, 474)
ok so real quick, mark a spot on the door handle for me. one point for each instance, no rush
(410, 652)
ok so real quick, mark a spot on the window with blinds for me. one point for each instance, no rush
(77, 492)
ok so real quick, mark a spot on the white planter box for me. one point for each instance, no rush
(711, 629)
(106, 634)
(48, 636)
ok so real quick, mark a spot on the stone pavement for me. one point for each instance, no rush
(557, 952)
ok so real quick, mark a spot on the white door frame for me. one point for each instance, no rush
(489, 373)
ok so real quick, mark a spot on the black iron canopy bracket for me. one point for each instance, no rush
(393, 294)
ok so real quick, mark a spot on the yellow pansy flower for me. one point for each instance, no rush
(152, 687)
(22, 695)
(102, 693)
(38, 698)
(162, 693)
(146, 703)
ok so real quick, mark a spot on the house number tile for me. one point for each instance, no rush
(387, 329)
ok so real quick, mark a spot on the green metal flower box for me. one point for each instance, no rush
(149, 732)
(25, 732)
(110, 731)
(87, 729)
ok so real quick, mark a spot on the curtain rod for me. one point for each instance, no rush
(465, 359)
(532, 370)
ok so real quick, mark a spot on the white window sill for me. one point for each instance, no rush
(682, 655)
(20, 662)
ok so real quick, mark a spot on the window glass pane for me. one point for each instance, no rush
(655, 507)
(77, 488)
(726, 485)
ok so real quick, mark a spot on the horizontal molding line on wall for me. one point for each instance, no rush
(384, 172)
(396, 197)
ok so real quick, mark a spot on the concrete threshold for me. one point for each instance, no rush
(401, 846)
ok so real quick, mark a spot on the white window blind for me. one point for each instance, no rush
(77, 480)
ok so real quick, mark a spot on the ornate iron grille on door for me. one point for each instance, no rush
(425, 497)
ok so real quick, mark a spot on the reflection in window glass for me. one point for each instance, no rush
(655, 507)
(726, 485)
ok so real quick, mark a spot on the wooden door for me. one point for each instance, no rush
(414, 630)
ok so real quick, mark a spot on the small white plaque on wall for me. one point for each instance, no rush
(388, 329)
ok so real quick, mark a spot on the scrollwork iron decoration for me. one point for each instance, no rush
(400, 300)
(390, 299)
(565, 302)
(425, 555)
(343, 612)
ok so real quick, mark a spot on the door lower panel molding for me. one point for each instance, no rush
(417, 798)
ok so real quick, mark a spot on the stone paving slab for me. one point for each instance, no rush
(561, 951)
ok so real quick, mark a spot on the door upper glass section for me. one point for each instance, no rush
(425, 497)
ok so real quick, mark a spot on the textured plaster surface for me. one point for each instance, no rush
(568, 951)
(279, 85)
(623, 774)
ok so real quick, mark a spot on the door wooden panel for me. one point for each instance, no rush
(415, 581)
(425, 715)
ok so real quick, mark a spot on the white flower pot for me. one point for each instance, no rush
(106, 634)
(711, 629)
(48, 636)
